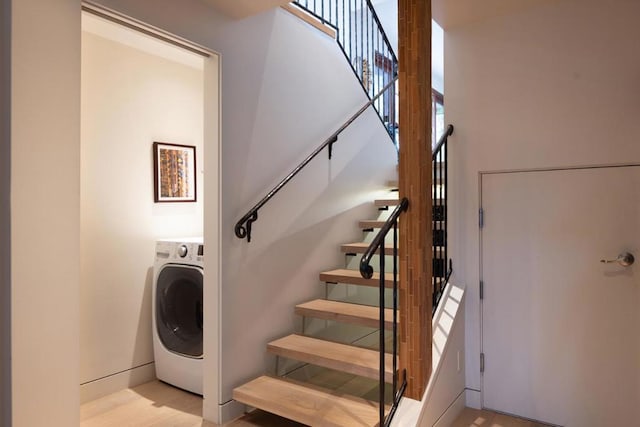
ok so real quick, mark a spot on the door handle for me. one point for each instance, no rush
(625, 259)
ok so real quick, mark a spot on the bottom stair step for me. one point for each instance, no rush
(307, 405)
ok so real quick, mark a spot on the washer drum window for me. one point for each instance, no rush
(179, 309)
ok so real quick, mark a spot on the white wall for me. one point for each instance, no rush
(45, 211)
(552, 86)
(130, 98)
(448, 375)
(5, 215)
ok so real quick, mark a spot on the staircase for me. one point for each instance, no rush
(336, 353)
(326, 375)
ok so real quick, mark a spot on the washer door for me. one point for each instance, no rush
(179, 309)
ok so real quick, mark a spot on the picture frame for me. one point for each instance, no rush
(174, 173)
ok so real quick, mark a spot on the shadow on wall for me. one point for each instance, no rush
(144, 337)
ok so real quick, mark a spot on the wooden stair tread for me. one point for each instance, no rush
(353, 277)
(394, 183)
(361, 247)
(306, 405)
(310, 19)
(377, 223)
(359, 314)
(394, 201)
(341, 357)
(386, 202)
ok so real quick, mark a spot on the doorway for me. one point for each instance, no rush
(139, 86)
(559, 327)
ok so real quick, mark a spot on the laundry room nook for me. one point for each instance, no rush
(142, 181)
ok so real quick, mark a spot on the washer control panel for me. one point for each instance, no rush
(179, 251)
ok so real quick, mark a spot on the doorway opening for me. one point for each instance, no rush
(139, 86)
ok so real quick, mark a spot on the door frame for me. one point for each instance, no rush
(212, 163)
(481, 175)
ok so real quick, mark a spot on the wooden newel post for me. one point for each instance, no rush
(415, 250)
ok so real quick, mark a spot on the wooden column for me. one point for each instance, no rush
(415, 249)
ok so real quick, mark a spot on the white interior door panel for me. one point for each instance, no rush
(560, 329)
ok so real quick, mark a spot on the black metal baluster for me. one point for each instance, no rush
(373, 60)
(343, 26)
(386, 79)
(380, 79)
(446, 206)
(372, 52)
(436, 282)
(323, 14)
(350, 35)
(441, 207)
(382, 330)
(395, 308)
(366, 42)
(362, 40)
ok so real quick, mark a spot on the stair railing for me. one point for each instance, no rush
(377, 246)
(243, 226)
(364, 43)
(439, 163)
(441, 273)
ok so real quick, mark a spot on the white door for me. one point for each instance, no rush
(560, 329)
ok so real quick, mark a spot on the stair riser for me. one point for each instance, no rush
(341, 382)
(356, 250)
(331, 364)
(341, 357)
(336, 317)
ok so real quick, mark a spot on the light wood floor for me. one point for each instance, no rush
(482, 418)
(156, 404)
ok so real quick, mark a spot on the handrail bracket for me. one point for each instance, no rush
(331, 142)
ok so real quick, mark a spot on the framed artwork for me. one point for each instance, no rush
(174, 172)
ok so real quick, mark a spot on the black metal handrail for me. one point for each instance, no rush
(366, 270)
(440, 180)
(442, 141)
(363, 42)
(243, 226)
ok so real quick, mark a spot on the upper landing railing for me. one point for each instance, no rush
(365, 45)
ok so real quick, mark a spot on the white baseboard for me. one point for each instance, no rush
(473, 399)
(452, 411)
(104, 386)
(232, 410)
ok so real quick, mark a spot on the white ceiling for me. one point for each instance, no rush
(239, 9)
(137, 40)
(453, 13)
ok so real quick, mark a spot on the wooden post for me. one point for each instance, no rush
(415, 249)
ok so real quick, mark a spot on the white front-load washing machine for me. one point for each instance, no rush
(177, 312)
